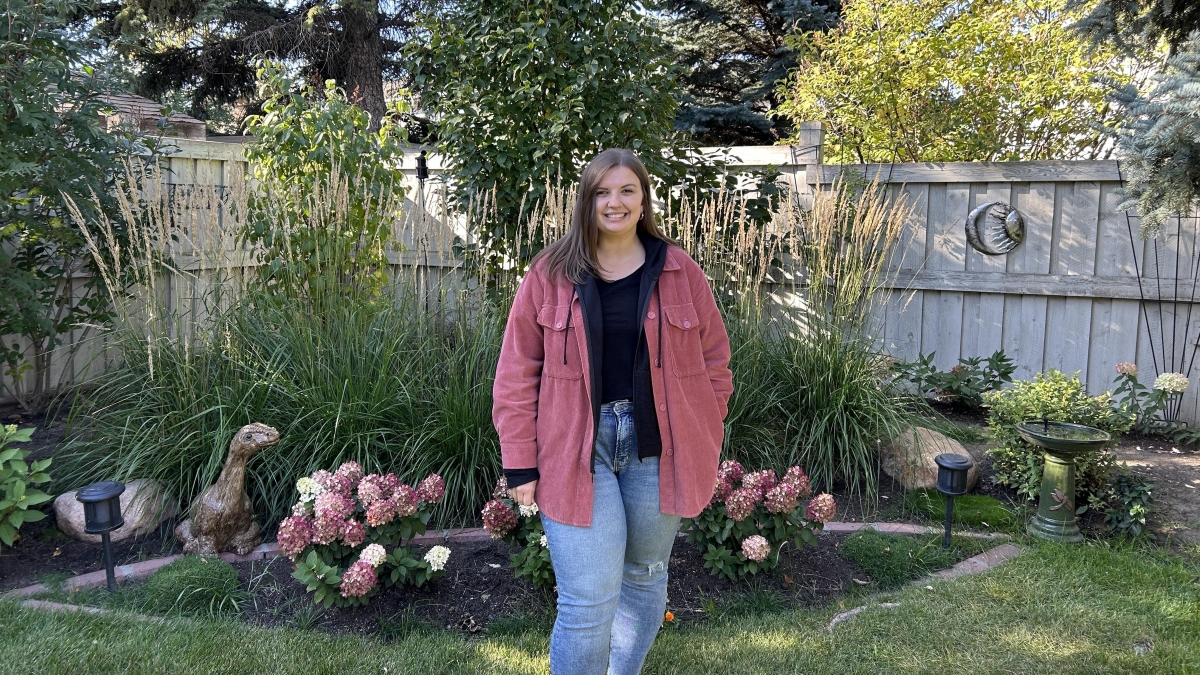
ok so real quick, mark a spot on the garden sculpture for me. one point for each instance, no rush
(995, 228)
(221, 519)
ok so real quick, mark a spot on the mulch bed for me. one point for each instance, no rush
(479, 588)
(44, 552)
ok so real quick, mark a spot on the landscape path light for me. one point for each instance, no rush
(101, 515)
(951, 481)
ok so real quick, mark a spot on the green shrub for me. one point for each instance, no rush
(325, 191)
(1128, 503)
(892, 560)
(196, 586)
(16, 478)
(965, 383)
(1059, 398)
(977, 511)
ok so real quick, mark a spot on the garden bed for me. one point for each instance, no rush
(479, 589)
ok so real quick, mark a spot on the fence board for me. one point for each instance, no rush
(1069, 297)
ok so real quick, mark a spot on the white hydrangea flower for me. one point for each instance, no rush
(528, 511)
(308, 489)
(437, 557)
(374, 555)
(544, 542)
(1172, 383)
(301, 509)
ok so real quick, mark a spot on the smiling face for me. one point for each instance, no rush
(618, 203)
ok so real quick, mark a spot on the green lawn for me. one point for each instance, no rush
(1010, 620)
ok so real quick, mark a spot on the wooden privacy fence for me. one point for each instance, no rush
(1082, 293)
(1070, 297)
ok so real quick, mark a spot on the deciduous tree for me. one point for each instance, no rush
(953, 80)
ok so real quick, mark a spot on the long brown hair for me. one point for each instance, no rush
(575, 253)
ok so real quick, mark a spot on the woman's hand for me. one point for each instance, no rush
(523, 494)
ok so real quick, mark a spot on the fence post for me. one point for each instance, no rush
(812, 140)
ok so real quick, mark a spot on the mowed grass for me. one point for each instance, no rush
(1055, 609)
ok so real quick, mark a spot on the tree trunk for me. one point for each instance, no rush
(358, 63)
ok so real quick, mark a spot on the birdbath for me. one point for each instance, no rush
(1063, 442)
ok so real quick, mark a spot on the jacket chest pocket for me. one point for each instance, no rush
(562, 358)
(684, 351)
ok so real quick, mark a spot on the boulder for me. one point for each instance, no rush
(144, 504)
(910, 459)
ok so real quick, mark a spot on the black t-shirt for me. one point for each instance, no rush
(622, 330)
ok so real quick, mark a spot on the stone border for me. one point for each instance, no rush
(269, 551)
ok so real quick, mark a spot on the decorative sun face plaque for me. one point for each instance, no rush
(995, 228)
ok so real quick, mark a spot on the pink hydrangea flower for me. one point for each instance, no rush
(295, 533)
(354, 533)
(432, 489)
(358, 580)
(371, 489)
(781, 498)
(759, 481)
(501, 490)
(381, 512)
(741, 503)
(796, 477)
(756, 548)
(405, 500)
(326, 529)
(723, 490)
(821, 509)
(1127, 368)
(341, 484)
(351, 471)
(498, 518)
(333, 505)
(322, 477)
(730, 471)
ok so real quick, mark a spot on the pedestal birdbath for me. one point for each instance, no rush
(1063, 442)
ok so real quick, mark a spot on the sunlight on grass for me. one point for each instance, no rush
(1055, 609)
(509, 658)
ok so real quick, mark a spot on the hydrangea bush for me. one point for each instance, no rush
(341, 528)
(505, 519)
(753, 515)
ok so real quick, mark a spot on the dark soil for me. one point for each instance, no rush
(479, 588)
(43, 552)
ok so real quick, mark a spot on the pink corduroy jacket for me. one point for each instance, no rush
(542, 406)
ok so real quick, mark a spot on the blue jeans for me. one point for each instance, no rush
(612, 576)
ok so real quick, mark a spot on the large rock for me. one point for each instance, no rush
(910, 459)
(144, 505)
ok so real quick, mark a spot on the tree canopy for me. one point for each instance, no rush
(203, 51)
(732, 54)
(53, 152)
(524, 93)
(1159, 136)
(953, 80)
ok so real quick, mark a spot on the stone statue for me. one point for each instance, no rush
(222, 518)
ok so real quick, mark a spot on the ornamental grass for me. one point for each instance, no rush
(199, 347)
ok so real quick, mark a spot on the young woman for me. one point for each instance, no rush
(610, 397)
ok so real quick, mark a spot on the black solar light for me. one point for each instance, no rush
(422, 167)
(951, 481)
(101, 515)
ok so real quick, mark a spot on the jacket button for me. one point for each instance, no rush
(668, 452)
(558, 325)
(662, 407)
(687, 324)
(650, 315)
